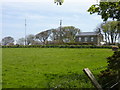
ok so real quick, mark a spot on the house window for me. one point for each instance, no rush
(79, 38)
(86, 39)
(92, 38)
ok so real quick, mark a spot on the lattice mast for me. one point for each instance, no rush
(25, 31)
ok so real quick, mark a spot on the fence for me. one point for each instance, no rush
(114, 82)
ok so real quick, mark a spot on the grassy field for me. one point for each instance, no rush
(50, 67)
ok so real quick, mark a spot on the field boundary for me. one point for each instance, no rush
(56, 46)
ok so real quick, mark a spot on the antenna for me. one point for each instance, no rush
(60, 24)
(60, 30)
(25, 31)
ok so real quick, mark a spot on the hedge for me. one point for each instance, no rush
(56, 46)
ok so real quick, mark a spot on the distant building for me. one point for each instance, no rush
(90, 37)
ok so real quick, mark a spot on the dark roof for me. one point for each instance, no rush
(87, 34)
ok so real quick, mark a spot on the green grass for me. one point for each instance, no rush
(0, 68)
(49, 67)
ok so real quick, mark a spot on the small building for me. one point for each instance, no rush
(90, 38)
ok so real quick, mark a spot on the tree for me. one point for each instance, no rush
(112, 73)
(30, 39)
(106, 10)
(7, 40)
(21, 41)
(64, 34)
(109, 10)
(54, 36)
(43, 36)
(59, 2)
(111, 31)
(69, 33)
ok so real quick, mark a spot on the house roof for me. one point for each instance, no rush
(88, 34)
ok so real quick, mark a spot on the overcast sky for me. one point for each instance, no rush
(44, 14)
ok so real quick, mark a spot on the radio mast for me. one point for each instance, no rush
(25, 31)
(60, 38)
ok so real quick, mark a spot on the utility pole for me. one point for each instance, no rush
(25, 31)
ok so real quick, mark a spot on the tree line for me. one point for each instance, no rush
(67, 34)
(52, 36)
(111, 31)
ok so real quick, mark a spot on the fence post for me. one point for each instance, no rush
(92, 78)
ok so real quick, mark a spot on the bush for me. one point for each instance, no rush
(112, 74)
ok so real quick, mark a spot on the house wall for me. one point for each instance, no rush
(95, 39)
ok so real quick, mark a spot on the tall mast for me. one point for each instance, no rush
(60, 31)
(60, 24)
(25, 31)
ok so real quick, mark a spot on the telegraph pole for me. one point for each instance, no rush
(25, 31)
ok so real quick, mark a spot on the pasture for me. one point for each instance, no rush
(50, 67)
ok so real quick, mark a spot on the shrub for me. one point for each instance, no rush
(112, 74)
